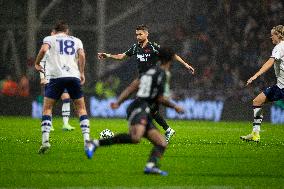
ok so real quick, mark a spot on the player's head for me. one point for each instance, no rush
(61, 26)
(166, 55)
(142, 32)
(277, 34)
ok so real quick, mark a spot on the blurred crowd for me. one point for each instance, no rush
(11, 87)
(226, 44)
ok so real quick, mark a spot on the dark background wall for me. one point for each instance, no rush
(226, 41)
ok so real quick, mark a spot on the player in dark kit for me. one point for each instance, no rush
(147, 57)
(151, 89)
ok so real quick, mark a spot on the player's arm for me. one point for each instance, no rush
(43, 81)
(81, 64)
(133, 87)
(180, 60)
(112, 56)
(162, 100)
(44, 48)
(266, 66)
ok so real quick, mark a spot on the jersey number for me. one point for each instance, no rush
(145, 86)
(66, 46)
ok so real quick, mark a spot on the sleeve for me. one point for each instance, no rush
(276, 53)
(156, 47)
(131, 50)
(47, 40)
(80, 44)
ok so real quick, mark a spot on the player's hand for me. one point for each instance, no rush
(82, 78)
(191, 69)
(251, 80)
(114, 105)
(179, 109)
(103, 55)
(43, 81)
(39, 68)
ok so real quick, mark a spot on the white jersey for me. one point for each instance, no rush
(62, 58)
(278, 54)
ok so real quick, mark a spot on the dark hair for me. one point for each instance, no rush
(61, 26)
(142, 27)
(166, 54)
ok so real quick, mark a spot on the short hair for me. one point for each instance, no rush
(61, 26)
(279, 30)
(142, 27)
(166, 54)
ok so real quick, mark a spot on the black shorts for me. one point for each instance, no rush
(56, 87)
(139, 113)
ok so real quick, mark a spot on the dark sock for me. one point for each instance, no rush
(160, 120)
(116, 139)
(156, 154)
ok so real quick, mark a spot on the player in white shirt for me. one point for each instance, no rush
(64, 97)
(275, 92)
(65, 69)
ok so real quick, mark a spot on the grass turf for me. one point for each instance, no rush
(201, 155)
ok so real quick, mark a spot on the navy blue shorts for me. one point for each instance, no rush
(274, 93)
(56, 87)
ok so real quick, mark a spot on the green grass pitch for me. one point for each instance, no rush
(201, 155)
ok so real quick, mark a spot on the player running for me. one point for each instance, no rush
(147, 57)
(151, 89)
(273, 93)
(66, 71)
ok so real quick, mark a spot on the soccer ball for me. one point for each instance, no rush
(106, 133)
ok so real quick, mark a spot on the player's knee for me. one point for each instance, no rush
(135, 139)
(257, 102)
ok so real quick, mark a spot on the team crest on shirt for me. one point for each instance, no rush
(147, 50)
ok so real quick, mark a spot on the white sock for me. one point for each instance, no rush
(45, 128)
(96, 142)
(85, 127)
(150, 165)
(66, 112)
(257, 114)
(169, 129)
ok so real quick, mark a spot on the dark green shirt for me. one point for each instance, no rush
(146, 57)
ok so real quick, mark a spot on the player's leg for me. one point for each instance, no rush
(52, 92)
(137, 121)
(160, 144)
(74, 89)
(83, 117)
(66, 111)
(134, 136)
(258, 102)
(46, 123)
(162, 122)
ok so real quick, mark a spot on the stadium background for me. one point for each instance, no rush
(226, 41)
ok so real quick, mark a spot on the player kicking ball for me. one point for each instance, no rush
(151, 90)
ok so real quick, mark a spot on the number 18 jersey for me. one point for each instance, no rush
(63, 56)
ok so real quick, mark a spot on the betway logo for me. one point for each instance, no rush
(208, 110)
